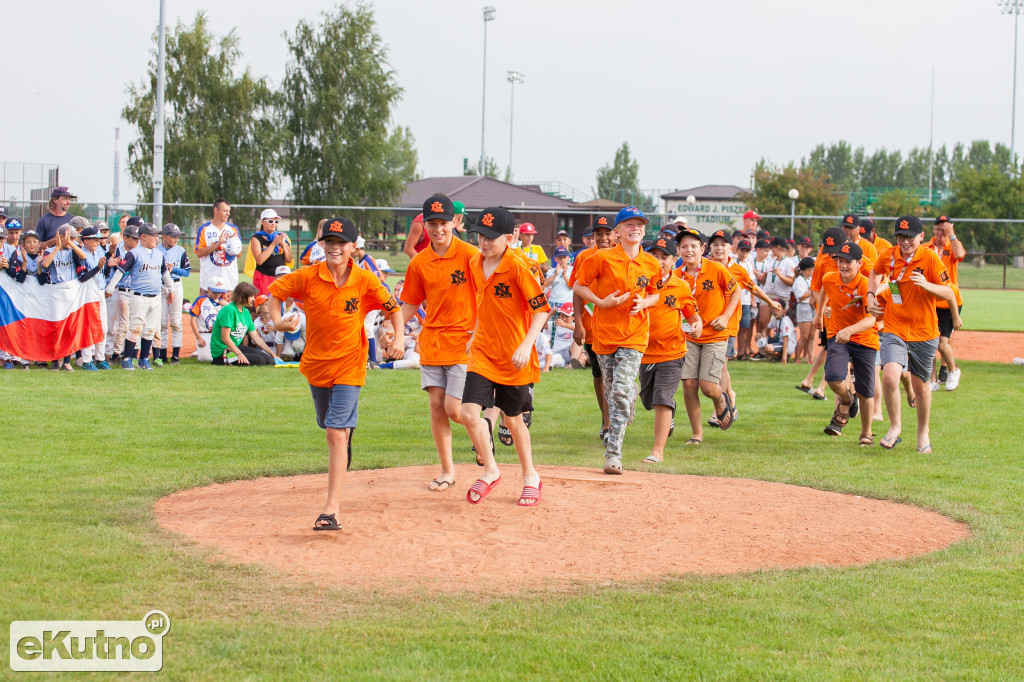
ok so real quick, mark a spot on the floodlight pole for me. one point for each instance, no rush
(515, 78)
(794, 194)
(1013, 7)
(158, 127)
(489, 12)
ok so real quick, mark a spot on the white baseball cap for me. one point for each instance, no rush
(282, 270)
(219, 285)
(384, 267)
(360, 243)
(269, 213)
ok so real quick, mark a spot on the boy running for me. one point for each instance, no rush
(661, 368)
(851, 340)
(438, 276)
(503, 364)
(951, 252)
(621, 283)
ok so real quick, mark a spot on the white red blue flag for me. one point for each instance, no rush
(42, 322)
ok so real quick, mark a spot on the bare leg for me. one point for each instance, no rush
(946, 352)
(866, 405)
(692, 401)
(337, 465)
(601, 402)
(891, 374)
(819, 361)
(924, 406)
(877, 400)
(662, 423)
(441, 429)
(476, 427)
(524, 449)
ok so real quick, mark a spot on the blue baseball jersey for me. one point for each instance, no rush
(177, 258)
(146, 268)
(62, 267)
(126, 281)
(10, 250)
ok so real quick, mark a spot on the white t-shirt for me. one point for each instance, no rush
(775, 286)
(265, 328)
(562, 340)
(560, 292)
(207, 314)
(745, 296)
(217, 263)
(800, 287)
(758, 267)
(788, 330)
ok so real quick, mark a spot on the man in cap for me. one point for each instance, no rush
(170, 302)
(851, 230)
(750, 219)
(150, 277)
(951, 252)
(621, 283)
(337, 295)
(270, 249)
(917, 277)
(438, 276)
(57, 215)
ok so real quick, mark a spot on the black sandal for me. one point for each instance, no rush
(504, 435)
(332, 522)
(490, 434)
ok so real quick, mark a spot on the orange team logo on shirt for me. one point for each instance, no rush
(904, 225)
(336, 227)
(487, 220)
(602, 221)
(436, 207)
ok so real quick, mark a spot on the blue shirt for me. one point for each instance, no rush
(46, 228)
(126, 281)
(62, 267)
(146, 269)
(177, 259)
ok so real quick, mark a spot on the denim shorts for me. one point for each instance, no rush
(336, 407)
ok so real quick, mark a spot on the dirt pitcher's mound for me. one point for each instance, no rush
(589, 527)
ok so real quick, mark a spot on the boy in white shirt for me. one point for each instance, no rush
(785, 336)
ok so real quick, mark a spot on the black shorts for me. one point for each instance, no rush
(823, 339)
(946, 321)
(659, 382)
(595, 366)
(512, 400)
(837, 365)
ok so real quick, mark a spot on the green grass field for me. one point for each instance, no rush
(86, 456)
(989, 277)
(991, 310)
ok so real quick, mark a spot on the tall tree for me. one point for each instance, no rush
(337, 98)
(490, 169)
(837, 162)
(620, 181)
(818, 196)
(880, 169)
(988, 192)
(220, 139)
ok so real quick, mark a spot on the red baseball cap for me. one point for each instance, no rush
(527, 228)
(751, 215)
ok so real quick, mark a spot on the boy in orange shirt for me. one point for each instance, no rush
(661, 368)
(911, 334)
(583, 319)
(438, 276)
(851, 340)
(621, 282)
(951, 252)
(503, 364)
(717, 296)
(831, 241)
(337, 295)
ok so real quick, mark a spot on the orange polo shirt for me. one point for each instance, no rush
(744, 280)
(445, 285)
(914, 319)
(849, 306)
(586, 317)
(611, 270)
(952, 263)
(506, 304)
(675, 302)
(825, 264)
(881, 244)
(870, 256)
(336, 345)
(712, 288)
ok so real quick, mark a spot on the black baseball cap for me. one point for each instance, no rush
(832, 239)
(689, 232)
(777, 241)
(131, 231)
(134, 221)
(909, 225)
(29, 233)
(664, 245)
(589, 232)
(849, 251)
(942, 219)
(867, 226)
(342, 229)
(438, 207)
(3, 211)
(743, 244)
(90, 233)
(764, 234)
(762, 244)
(171, 230)
(804, 241)
(563, 233)
(494, 222)
(720, 234)
(805, 263)
(737, 233)
(850, 221)
(148, 229)
(602, 223)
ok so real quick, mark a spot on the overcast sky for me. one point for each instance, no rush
(700, 90)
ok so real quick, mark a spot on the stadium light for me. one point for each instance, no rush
(794, 194)
(489, 12)
(515, 78)
(1013, 7)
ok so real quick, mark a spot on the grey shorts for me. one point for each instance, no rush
(658, 383)
(336, 407)
(452, 378)
(730, 347)
(704, 361)
(916, 356)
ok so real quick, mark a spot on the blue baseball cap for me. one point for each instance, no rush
(561, 251)
(630, 212)
(13, 224)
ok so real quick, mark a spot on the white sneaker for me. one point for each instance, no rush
(935, 386)
(953, 380)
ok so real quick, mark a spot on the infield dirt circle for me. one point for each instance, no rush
(589, 528)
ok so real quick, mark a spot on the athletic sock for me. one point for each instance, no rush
(144, 348)
(129, 349)
(174, 354)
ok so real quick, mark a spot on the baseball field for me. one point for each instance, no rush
(87, 456)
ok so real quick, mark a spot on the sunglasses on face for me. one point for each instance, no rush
(272, 221)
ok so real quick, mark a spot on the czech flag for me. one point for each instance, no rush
(43, 322)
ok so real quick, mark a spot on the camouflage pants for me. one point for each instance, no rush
(619, 370)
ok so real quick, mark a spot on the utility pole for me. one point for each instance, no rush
(158, 127)
(515, 78)
(489, 12)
